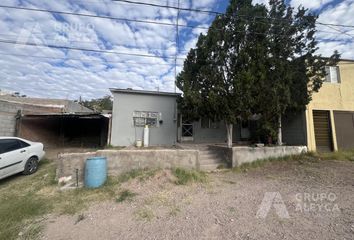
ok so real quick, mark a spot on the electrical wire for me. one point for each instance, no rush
(83, 59)
(83, 49)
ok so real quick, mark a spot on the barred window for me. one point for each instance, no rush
(142, 118)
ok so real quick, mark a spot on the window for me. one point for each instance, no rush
(205, 122)
(8, 145)
(23, 144)
(332, 74)
(208, 123)
(142, 118)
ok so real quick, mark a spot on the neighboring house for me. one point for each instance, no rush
(328, 122)
(55, 122)
(330, 115)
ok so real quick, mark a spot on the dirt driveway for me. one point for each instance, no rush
(281, 200)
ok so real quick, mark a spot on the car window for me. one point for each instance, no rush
(8, 145)
(23, 144)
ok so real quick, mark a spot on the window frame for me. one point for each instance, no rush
(329, 76)
(145, 118)
(11, 150)
(210, 125)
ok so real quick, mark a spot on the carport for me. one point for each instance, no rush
(88, 130)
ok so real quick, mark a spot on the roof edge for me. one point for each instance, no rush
(145, 92)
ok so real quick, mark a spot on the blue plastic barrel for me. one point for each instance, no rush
(95, 172)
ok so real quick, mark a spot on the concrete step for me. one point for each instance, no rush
(207, 161)
(207, 153)
(210, 167)
(210, 156)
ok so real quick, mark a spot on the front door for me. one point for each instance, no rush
(187, 131)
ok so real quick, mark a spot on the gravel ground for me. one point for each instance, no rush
(305, 199)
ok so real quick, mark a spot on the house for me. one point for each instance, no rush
(326, 125)
(55, 122)
(328, 122)
(133, 109)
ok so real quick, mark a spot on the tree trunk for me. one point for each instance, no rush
(229, 134)
(280, 137)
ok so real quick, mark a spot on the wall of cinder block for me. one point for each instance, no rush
(8, 114)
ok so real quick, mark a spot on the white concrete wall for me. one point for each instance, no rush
(241, 155)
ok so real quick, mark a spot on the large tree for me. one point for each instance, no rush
(253, 60)
(294, 70)
(217, 79)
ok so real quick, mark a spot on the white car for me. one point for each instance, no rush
(19, 155)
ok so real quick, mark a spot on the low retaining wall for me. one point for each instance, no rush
(121, 161)
(241, 155)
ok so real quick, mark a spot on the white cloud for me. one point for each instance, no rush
(62, 73)
(311, 4)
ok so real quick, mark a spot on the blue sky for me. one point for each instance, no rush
(63, 73)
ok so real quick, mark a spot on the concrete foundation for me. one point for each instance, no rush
(241, 155)
(121, 161)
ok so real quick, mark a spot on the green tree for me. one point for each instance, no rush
(99, 104)
(253, 60)
(216, 80)
(295, 70)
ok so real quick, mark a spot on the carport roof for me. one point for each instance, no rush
(132, 91)
(68, 115)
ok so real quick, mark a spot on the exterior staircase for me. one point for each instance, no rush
(210, 159)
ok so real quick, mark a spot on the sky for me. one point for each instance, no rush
(131, 54)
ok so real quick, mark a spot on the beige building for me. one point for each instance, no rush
(330, 115)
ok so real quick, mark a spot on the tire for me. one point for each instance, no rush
(31, 166)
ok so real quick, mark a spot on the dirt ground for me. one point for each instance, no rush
(305, 199)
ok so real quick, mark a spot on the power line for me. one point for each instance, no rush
(170, 7)
(218, 13)
(98, 16)
(177, 46)
(83, 59)
(68, 40)
(83, 49)
(331, 27)
(336, 25)
(143, 21)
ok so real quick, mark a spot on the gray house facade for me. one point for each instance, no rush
(134, 109)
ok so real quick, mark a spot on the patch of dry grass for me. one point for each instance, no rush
(188, 176)
(23, 199)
